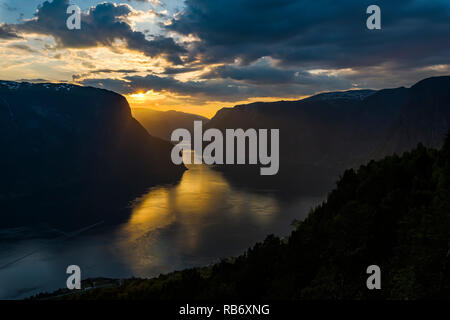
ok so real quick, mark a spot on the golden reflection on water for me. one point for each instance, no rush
(203, 196)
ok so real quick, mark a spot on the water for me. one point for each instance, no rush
(193, 223)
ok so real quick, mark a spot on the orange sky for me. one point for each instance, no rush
(165, 102)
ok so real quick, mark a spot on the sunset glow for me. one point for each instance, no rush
(141, 49)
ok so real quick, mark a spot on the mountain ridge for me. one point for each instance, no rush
(61, 139)
(339, 130)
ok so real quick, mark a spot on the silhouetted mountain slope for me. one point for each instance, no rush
(425, 117)
(162, 123)
(330, 132)
(393, 213)
(56, 136)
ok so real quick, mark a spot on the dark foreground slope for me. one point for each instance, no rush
(61, 141)
(161, 124)
(394, 213)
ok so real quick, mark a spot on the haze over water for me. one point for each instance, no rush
(196, 222)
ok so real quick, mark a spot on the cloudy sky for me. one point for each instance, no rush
(200, 55)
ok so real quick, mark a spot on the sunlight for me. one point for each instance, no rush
(141, 97)
(201, 198)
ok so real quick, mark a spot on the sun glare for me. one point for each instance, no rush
(139, 95)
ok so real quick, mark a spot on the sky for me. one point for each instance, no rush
(201, 55)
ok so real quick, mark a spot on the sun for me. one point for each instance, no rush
(138, 96)
(148, 95)
(141, 98)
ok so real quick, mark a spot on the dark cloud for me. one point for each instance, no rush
(220, 89)
(102, 25)
(210, 89)
(256, 74)
(312, 33)
(113, 71)
(22, 47)
(37, 80)
(6, 32)
(76, 77)
(264, 73)
(169, 71)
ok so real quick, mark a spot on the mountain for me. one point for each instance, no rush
(322, 135)
(162, 123)
(57, 137)
(393, 213)
(425, 117)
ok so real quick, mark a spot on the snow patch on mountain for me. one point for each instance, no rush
(13, 85)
